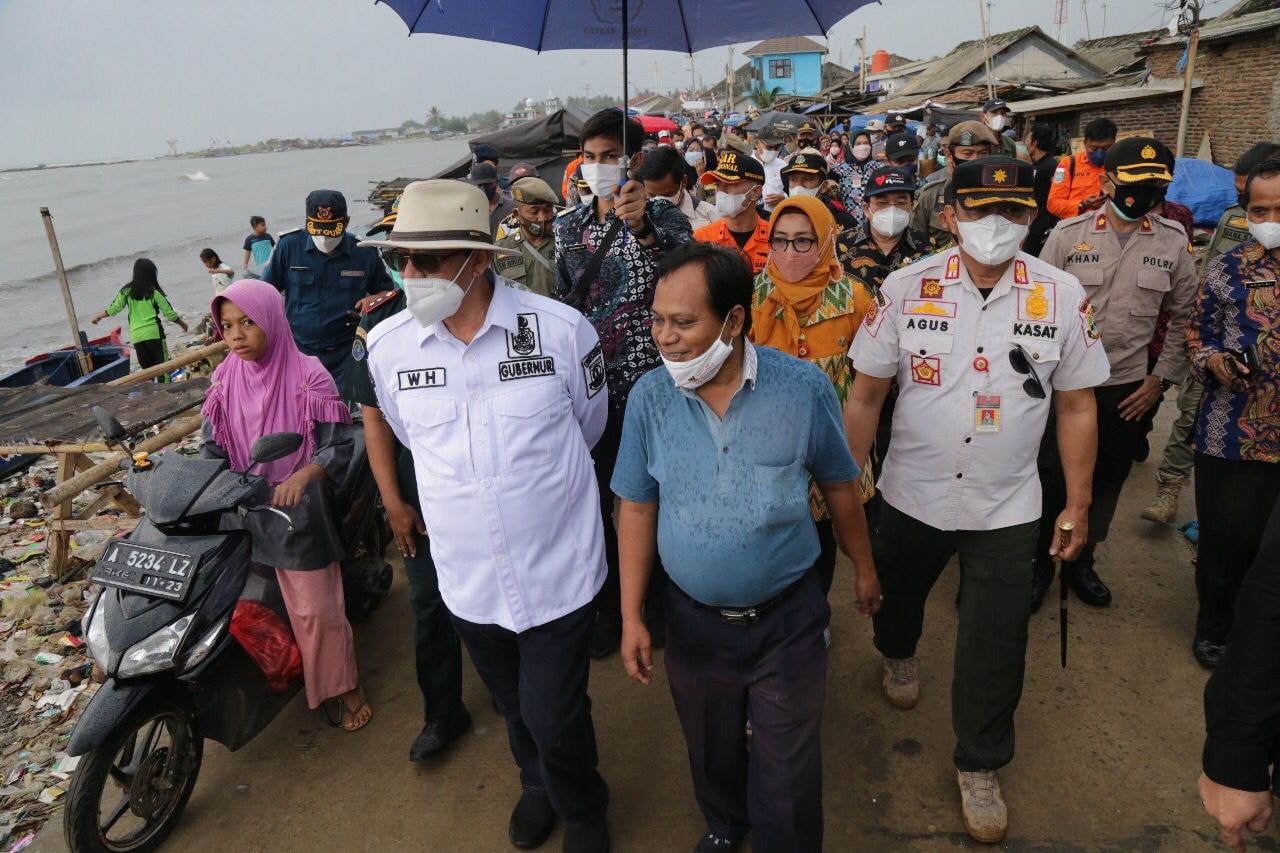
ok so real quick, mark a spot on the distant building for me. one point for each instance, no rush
(375, 135)
(792, 64)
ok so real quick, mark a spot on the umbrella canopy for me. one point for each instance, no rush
(653, 124)
(683, 25)
(785, 122)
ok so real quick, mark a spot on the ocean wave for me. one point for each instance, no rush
(198, 176)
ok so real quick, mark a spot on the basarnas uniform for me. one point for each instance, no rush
(961, 470)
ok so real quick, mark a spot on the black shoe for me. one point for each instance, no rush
(1142, 451)
(1207, 652)
(712, 843)
(1041, 580)
(606, 635)
(438, 735)
(587, 837)
(531, 821)
(1087, 586)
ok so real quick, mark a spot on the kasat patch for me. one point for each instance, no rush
(525, 368)
(926, 370)
(1039, 303)
(593, 371)
(525, 341)
(929, 308)
(1089, 323)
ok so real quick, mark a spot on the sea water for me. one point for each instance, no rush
(167, 210)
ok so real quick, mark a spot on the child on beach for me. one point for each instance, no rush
(218, 271)
(145, 301)
(257, 247)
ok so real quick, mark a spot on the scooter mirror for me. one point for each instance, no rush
(107, 422)
(275, 446)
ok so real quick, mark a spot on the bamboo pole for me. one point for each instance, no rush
(1185, 117)
(190, 356)
(73, 486)
(85, 359)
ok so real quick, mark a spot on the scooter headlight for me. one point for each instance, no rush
(99, 648)
(156, 652)
(201, 648)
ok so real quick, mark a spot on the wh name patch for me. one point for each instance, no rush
(428, 377)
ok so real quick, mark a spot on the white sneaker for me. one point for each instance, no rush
(826, 637)
(986, 818)
(901, 685)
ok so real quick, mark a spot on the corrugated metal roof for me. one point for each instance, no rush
(785, 44)
(1224, 27)
(1058, 103)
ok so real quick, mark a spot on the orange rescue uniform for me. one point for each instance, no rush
(1074, 180)
(755, 250)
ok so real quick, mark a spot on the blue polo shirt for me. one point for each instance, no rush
(734, 527)
(321, 290)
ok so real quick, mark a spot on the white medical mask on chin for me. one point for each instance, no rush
(699, 370)
(326, 244)
(603, 178)
(1266, 233)
(998, 123)
(433, 299)
(768, 155)
(991, 240)
(729, 205)
(890, 221)
(795, 191)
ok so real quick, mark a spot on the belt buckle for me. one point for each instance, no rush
(740, 617)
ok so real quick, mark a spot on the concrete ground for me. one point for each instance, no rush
(1108, 750)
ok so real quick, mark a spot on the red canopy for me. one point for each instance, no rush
(653, 124)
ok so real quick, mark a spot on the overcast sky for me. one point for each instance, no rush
(90, 79)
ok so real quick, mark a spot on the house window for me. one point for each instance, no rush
(780, 69)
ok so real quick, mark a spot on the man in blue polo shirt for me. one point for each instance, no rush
(326, 280)
(717, 452)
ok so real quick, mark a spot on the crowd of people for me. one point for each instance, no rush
(725, 358)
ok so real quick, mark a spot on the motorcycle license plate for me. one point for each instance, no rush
(146, 570)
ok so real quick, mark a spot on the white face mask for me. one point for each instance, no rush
(326, 244)
(676, 199)
(768, 155)
(699, 370)
(862, 151)
(694, 158)
(602, 178)
(890, 221)
(433, 299)
(991, 240)
(998, 122)
(1266, 233)
(729, 205)
(795, 191)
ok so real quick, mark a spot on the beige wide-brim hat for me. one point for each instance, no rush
(441, 215)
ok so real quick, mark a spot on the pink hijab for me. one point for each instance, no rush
(284, 391)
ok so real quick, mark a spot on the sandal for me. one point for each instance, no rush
(347, 715)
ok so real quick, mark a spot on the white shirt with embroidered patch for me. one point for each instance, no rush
(932, 330)
(501, 432)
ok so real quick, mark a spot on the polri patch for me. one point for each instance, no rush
(525, 368)
(593, 371)
(525, 341)
(427, 377)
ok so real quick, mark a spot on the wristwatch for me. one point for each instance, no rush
(1165, 384)
(645, 230)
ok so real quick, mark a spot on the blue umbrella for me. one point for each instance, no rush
(679, 25)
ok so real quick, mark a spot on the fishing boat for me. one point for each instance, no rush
(110, 360)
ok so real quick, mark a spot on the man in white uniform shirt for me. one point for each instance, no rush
(981, 339)
(500, 394)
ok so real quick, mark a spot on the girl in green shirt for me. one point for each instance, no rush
(145, 301)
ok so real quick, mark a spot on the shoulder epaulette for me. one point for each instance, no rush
(380, 301)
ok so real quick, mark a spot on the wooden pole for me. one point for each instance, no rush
(986, 51)
(1185, 118)
(862, 63)
(189, 357)
(86, 361)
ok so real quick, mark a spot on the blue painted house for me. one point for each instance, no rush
(791, 63)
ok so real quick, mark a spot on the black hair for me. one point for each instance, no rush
(608, 124)
(1100, 129)
(1255, 157)
(729, 279)
(853, 140)
(696, 125)
(255, 221)
(1268, 169)
(1045, 139)
(145, 281)
(661, 163)
(692, 140)
(207, 255)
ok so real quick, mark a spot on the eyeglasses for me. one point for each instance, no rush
(1018, 359)
(397, 260)
(800, 245)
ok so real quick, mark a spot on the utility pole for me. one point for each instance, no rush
(862, 62)
(1059, 18)
(729, 81)
(1193, 7)
(655, 79)
(986, 51)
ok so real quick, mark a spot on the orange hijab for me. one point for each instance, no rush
(797, 299)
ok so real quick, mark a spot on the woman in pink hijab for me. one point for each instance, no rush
(266, 385)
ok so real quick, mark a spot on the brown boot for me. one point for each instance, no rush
(986, 818)
(1164, 507)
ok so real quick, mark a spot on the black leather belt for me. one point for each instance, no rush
(743, 616)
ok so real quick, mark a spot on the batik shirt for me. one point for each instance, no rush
(851, 178)
(863, 260)
(1238, 306)
(618, 302)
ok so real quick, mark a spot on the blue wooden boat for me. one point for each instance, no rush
(61, 368)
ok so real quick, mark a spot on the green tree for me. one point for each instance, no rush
(764, 98)
(434, 117)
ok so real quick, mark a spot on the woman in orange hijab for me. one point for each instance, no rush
(804, 304)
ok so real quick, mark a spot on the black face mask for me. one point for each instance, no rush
(1135, 202)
